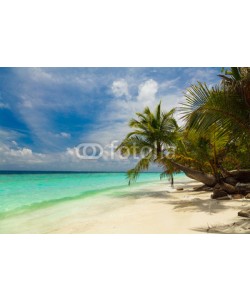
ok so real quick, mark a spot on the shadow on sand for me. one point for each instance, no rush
(199, 205)
(140, 194)
(194, 204)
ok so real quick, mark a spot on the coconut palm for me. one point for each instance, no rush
(159, 140)
(154, 133)
(214, 140)
(227, 105)
(238, 80)
(202, 157)
(223, 110)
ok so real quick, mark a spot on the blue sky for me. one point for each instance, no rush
(46, 112)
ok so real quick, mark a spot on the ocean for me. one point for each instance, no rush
(26, 190)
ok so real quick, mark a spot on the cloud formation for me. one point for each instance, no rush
(46, 112)
(147, 92)
(120, 88)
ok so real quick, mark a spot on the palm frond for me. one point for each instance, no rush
(205, 107)
(154, 133)
(142, 165)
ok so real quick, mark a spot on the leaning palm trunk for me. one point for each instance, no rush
(227, 184)
(242, 175)
(207, 179)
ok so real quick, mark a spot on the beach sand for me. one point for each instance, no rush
(148, 208)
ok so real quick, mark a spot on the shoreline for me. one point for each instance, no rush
(45, 204)
(146, 208)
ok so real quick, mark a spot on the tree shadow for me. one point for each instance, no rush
(195, 204)
(140, 194)
(209, 206)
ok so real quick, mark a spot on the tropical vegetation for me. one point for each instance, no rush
(212, 146)
(154, 133)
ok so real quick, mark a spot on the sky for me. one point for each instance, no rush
(46, 113)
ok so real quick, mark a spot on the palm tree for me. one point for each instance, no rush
(223, 110)
(157, 137)
(227, 105)
(201, 157)
(214, 140)
(153, 134)
(238, 80)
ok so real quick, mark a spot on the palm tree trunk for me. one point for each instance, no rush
(241, 175)
(207, 179)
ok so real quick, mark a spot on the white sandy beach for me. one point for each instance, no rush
(147, 208)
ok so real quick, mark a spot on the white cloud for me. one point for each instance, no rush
(16, 156)
(70, 151)
(109, 98)
(120, 88)
(24, 158)
(169, 84)
(21, 152)
(147, 91)
(40, 75)
(123, 109)
(114, 125)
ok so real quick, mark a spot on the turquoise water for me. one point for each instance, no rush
(19, 191)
